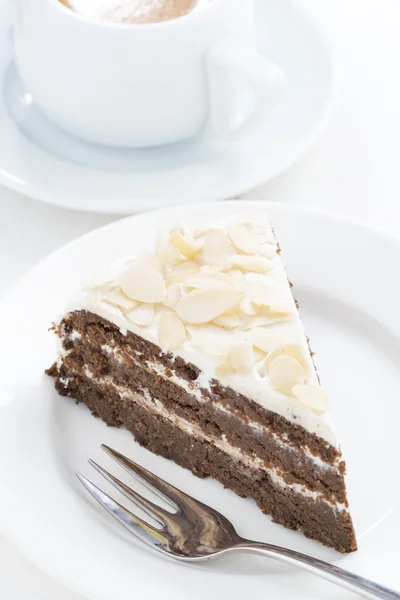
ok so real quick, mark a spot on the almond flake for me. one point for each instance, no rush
(241, 357)
(203, 306)
(141, 315)
(263, 229)
(264, 295)
(312, 396)
(237, 278)
(204, 283)
(118, 298)
(185, 246)
(248, 307)
(224, 369)
(268, 250)
(229, 320)
(171, 331)
(244, 238)
(292, 350)
(143, 283)
(285, 372)
(181, 271)
(98, 281)
(217, 247)
(263, 319)
(166, 253)
(262, 367)
(256, 264)
(258, 356)
(214, 272)
(264, 339)
(174, 294)
(210, 339)
(162, 245)
(150, 261)
(270, 295)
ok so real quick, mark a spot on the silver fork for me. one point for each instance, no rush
(192, 531)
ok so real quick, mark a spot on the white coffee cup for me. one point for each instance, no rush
(146, 84)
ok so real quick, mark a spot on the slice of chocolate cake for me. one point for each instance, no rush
(199, 351)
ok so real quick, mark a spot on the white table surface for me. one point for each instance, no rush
(352, 170)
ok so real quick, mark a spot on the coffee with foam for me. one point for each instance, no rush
(133, 11)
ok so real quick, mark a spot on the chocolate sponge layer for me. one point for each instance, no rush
(132, 370)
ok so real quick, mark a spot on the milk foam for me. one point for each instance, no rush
(134, 11)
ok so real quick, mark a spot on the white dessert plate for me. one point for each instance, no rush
(40, 160)
(349, 299)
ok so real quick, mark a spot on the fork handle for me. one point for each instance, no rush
(332, 573)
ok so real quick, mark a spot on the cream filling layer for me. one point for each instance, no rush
(159, 369)
(146, 401)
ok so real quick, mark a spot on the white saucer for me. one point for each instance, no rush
(40, 160)
(349, 300)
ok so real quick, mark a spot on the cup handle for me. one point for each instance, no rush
(234, 70)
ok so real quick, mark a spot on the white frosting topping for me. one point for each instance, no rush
(220, 299)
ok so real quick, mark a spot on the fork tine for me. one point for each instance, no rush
(144, 531)
(155, 484)
(153, 510)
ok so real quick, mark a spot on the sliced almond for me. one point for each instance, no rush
(258, 355)
(203, 306)
(270, 295)
(98, 282)
(118, 298)
(181, 242)
(279, 307)
(162, 245)
(174, 294)
(312, 396)
(268, 250)
(211, 272)
(166, 253)
(181, 271)
(142, 314)
(245, 238)
(143, 283)
(210, 339)
(151, 261)
(294, 351)
(241, 357)
(262, 294)
(262, 367)
(285, 372)
(171, 331)
(224, 368)
(121, 264)
(259, 294)
(247, 306)
(263, 229)
(217, 247)
(256, 264)
(229, 320)
(263, 319)
(262, 338)
(212, 283)
(237, 278)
